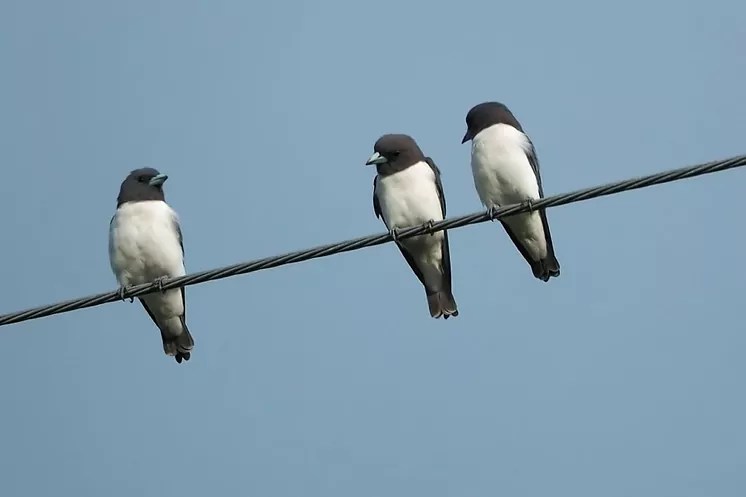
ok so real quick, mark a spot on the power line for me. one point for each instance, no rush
(370, 241)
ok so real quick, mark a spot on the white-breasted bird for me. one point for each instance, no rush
(506, 171)
(145, 245)
(408, 192)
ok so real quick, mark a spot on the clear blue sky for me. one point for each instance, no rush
(623, 377)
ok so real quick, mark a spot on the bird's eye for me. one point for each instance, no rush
(396, 154)
(142, 179)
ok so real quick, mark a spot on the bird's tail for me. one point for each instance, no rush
(547, 267)
(179, 346)
(442, 304)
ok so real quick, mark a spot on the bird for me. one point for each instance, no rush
(407, 192)
(146, 245)
(506, 171)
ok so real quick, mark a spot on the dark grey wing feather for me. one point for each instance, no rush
(445, 250)
(438, 184)
(376, 205)
(181, 244)
(446, 259)
(179, 235)
(520, 243)
(413, 265)
(533, 159)
(150, 313)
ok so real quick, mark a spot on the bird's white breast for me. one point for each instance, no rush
(502, 172)
(409, 197)
(143, 242)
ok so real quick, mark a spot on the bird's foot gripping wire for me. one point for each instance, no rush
(492, 212)
(394, 234)
(122, 290)
(529, 204)
(159, 282)
(429, 225)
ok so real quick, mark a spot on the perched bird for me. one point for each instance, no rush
(407, 192)
(506, 171)
(145, 245)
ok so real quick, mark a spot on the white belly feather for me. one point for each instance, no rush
(410, 198)
(143, 246)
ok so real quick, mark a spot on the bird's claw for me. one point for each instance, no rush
(159, 282)
(122, 290)
(492, 211)
(430, 224)
(394, 234)
(529, 204)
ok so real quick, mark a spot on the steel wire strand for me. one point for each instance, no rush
(373, 240)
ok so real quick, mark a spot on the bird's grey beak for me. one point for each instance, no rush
(376, 158)
(158, 180)
(466, 137)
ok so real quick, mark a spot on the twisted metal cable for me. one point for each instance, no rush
(373, 240)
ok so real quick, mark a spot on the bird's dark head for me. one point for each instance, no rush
(142, 184)
(486, 114)
(394, 153)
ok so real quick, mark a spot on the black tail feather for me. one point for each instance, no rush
(546, 268)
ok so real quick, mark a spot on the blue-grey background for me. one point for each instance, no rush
(623, 377)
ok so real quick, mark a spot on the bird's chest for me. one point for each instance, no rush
(502, 172)
(409, 197)
(143, 241)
